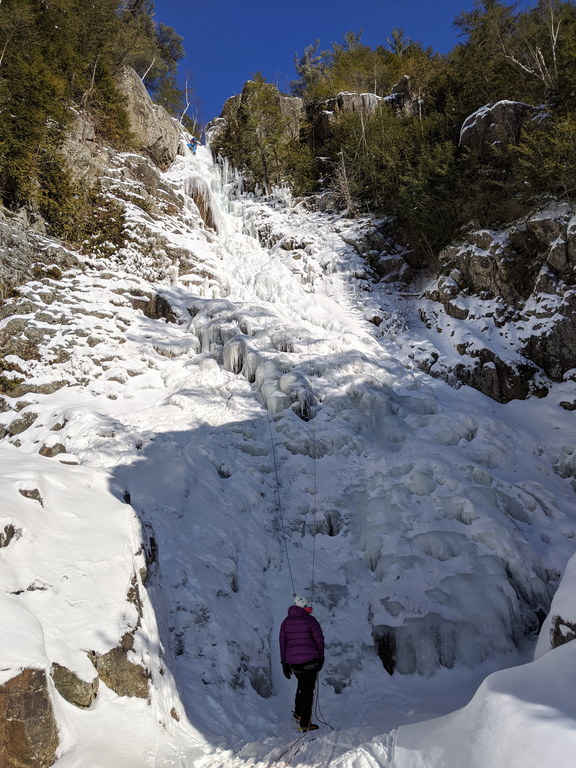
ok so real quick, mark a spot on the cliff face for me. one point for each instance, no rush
(512, 296)
(324, 115)
(158, 135)
(24, 248)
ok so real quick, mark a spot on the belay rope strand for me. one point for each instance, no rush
(314, 507)
(317, 711)
(314, 510)
(275, 462)
(279, 502)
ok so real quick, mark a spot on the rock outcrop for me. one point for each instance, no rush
(291, 107)
(86, 156)
(514, 290)
(494, 124)
(121, 675)
(156, 132)
(323, 115)
(28, 730)
(79, 692)
(404, 99)
(26, 253)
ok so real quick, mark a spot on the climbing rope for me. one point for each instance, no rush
(314, 511)
(314, 506)
(279, 312)
(279, 502)
(317, 711)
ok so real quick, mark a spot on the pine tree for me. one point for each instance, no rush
(61, 54)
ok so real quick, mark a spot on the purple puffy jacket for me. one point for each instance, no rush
(301, 637)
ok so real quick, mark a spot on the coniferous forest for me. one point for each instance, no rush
(59, 57)
(408, 164)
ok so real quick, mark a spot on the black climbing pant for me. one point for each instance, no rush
(306, 677)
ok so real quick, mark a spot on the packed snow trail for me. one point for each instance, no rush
(441, 523)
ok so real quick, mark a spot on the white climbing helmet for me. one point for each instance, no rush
(300, 601)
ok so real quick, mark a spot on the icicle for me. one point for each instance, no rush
(196, 188)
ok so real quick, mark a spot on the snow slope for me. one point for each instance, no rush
(523, 717)
(425, 520)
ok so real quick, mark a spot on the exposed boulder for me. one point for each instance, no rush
(499, 123)
(156, 132)
(22, 423)
(52, 450)
(121, 675)
(79, 692)
(28, 729)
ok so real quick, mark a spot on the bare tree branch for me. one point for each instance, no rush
(149, 68)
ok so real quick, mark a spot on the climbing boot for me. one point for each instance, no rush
(311, 727)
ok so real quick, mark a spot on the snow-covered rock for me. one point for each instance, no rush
(520, 717)
(513, 293)
(493, 124)
(560, 624)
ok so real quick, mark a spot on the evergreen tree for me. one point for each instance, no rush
(257, 140)
(59, 54)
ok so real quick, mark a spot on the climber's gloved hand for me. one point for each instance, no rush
(287, 670)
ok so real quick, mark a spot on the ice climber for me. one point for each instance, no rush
(193, 144)
(302, 653)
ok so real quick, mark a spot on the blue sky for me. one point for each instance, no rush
(228, 41)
